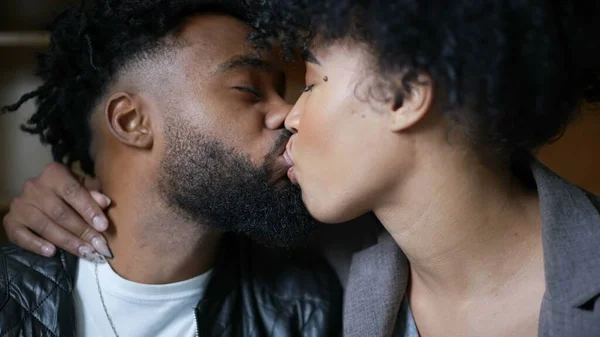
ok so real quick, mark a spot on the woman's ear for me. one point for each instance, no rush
(410, 107)
(128, 121)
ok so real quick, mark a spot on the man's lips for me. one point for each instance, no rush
(279, 169)
(279, 164)
(283, 163)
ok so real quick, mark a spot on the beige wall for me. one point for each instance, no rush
(21, 155)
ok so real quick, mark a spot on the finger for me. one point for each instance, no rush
(45, 228)
(61, 181)
(91, 184)
(26, 239)
(101, 199)
(62, 215)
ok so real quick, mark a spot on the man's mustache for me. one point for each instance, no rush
(279, 146)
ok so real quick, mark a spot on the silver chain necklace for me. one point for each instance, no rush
(97, 259)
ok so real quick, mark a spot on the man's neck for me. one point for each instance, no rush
(470, 231)
(151, 245)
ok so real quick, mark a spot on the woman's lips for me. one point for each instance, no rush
(288, 158)
(292, 176)
(290, 161)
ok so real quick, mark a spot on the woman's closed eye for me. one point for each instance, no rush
(308, 88)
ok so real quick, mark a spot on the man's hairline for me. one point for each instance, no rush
(171, 43)
(127, 78)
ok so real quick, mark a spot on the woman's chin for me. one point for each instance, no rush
(328, 212)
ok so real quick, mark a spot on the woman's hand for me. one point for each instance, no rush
(57, 209)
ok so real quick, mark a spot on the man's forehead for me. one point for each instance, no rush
(217, 37)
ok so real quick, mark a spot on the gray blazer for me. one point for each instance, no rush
(376, 275)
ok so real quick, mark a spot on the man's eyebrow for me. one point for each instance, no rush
(244, 62)
(308, 56)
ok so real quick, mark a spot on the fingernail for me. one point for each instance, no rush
(47, 251)
(100, 223)
(85, 252)
(101, 247)
(101, 199)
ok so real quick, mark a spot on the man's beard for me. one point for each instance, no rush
(209, 183)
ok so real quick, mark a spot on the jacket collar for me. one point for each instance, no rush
(571, 239)
(215, 311)
(377, 282)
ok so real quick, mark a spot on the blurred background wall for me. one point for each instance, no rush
(21, 35)
(575, 156)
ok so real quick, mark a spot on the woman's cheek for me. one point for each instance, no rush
(315, 131)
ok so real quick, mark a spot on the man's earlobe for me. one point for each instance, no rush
(409, 108)
(128, 121)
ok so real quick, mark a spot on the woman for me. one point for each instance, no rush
(426, 113)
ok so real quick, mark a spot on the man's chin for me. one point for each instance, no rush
(287, 242)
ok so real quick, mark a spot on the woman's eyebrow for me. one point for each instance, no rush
(309, 57)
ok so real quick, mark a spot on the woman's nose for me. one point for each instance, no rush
(293, 118)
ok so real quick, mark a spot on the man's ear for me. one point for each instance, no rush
(128, 121)
(409, 108)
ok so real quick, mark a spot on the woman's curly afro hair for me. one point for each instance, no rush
(514, 72)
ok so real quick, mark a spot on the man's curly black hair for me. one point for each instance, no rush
(89, 46)
(519, 68)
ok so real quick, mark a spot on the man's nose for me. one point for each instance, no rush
(276, 117)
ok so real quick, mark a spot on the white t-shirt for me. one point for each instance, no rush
(137, 310)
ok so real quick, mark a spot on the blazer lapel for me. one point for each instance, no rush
(377, 283)
(571, 241)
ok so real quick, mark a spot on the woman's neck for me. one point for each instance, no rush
(466, 229)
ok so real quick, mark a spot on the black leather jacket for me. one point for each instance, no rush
(254, 291)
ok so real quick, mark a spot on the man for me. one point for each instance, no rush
(180, 118)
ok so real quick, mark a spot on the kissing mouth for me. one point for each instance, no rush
(289, 159)
(280, 160)
(283, 165)
(287, 155)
